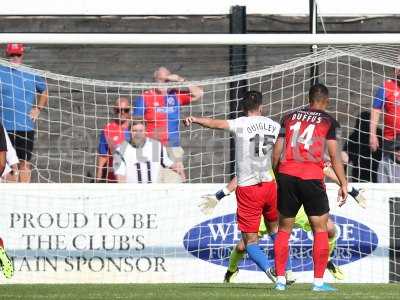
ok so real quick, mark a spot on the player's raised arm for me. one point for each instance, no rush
(207, 122)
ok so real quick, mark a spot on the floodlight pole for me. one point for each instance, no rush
(237, 65)
(314, 72)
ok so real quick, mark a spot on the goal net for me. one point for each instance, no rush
(67, 136)
(67, 132)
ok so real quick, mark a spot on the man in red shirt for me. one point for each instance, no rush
(299, 158)
(160, 108)
(113, 134)
(387, 99)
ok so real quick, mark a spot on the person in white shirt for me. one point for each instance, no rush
(389, 168)
(10, 173)
(256, 193)
(140, 160)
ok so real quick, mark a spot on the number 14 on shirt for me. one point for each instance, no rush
(305, 138)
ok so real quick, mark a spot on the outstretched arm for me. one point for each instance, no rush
(207, 122)
(210, 201)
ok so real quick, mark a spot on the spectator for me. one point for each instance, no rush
(19, 107)
(389, 168)
(113, 134)
(160, 108)
(10, 173)
(386, 100)
(364, 162)
(140, 160)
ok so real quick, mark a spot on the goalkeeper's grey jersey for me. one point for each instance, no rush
(254, 139)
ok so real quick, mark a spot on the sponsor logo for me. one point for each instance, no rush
(166, 110)
(214, 239)
(171, 100)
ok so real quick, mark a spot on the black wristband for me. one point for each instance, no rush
(220, 194)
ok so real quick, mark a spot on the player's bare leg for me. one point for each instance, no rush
(320, 250)
(5, 262)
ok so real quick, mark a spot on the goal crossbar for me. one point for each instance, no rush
(199, 39)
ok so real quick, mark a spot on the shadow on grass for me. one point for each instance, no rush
(260, 286)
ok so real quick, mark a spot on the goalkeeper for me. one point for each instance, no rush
(301, 221)
(6, 264)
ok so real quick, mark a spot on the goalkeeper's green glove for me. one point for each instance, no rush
(210, 201)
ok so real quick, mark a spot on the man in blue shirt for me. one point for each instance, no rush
(23, 94)
(160, 109)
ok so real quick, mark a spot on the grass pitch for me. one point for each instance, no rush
(194, 291)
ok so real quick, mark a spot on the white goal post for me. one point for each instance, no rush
(200, 39)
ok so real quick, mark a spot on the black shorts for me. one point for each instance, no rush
(23, 143)
(294, 192)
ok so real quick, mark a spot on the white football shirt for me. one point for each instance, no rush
(254, 139)
(142, 164)
(11, 156)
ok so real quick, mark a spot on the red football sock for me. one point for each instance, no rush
(1, 243)
(281, 252)
(320, 253)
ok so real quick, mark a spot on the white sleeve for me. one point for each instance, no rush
(233, 124)
(119, 161)
(11, 155)
(165, 161)
(7, 170)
